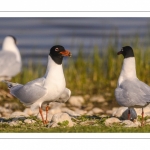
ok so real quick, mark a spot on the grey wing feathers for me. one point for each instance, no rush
(29, 93)
(133, 93)
(8, 64)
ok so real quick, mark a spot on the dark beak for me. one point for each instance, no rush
(119, 53)
(66, 53)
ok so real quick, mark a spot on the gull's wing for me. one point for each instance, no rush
(8, 64)
(28, 93)
(64, 96)
(132, 93)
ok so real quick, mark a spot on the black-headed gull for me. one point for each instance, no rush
(10, 59)
(49, 88)
(130, 91)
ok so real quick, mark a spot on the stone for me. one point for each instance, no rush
(5, 110)
(31, 112)
(29, 121)
(109, 112)
(132, 112)
(12, 106)
(14, 123)
(89, 106)
(110, 121)
(90, 113)
(55, 110)
(80, 111)
(18, 114)
(6, 114)
(76, 101)
(87, 123)
(129, 123)
(103, 116)
(97, 110)
(145, 109)
(122, 112)
(59, 118)
(99, 99)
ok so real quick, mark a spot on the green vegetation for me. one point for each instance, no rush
(93, 73)
(92, 124)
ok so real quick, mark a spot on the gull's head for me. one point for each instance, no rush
(126, 51)
(10, 40)
(57, 53)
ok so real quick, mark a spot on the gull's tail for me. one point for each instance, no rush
(10, 84)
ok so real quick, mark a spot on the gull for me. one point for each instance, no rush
(130, 91)
(10, 59)
(49, 88)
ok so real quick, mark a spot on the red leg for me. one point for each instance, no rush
(129, 114)
(142, 117)
(47, 109)
(40, 111)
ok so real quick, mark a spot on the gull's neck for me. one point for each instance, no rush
(128, 70)
(54, 72)
(12, 48)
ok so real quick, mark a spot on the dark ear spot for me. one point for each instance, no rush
(56, 49)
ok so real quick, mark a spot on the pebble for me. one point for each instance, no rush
(12, 106)
(30, 112)
(59, 118)
(97, 110)
(55, 110)
(129, 123)
(18, 114)
(14, 123)
(5, 110)
(86, 123)
(29, 121)
(110, 121)
(76, 101)
(99, 99)
(109, 112)
(80, 111)
(122, 112)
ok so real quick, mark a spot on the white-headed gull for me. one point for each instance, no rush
(10, 59)
(49, 88)
(130, 91)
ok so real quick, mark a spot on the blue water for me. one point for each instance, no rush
(35, 36)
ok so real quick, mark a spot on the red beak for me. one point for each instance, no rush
(66, 53)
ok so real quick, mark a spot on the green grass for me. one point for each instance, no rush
(97, 126)
(93, 74)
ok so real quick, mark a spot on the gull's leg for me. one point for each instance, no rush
(40, 111)
(129, 114)
(142, 117)
(47, 109)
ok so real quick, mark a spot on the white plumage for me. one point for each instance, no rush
(10, 59)
(49, 88)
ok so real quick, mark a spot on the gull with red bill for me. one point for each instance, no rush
(130, 91)
(49, 88)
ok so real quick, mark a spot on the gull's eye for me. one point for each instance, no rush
(56, 49)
